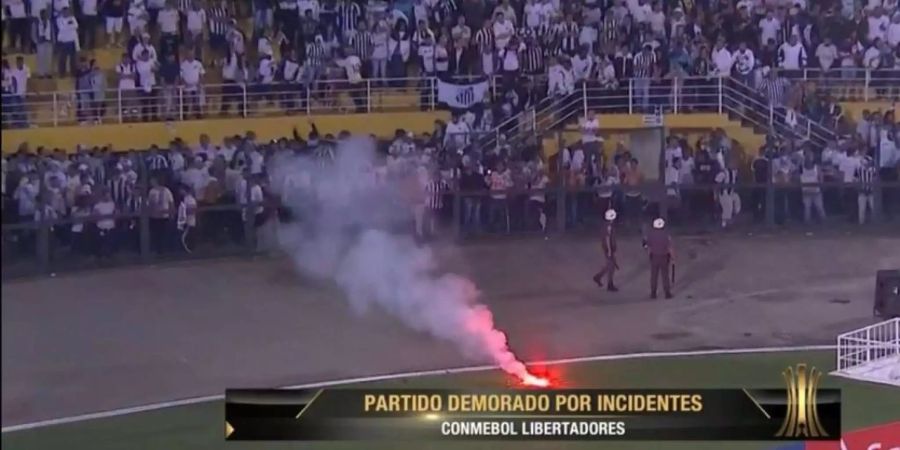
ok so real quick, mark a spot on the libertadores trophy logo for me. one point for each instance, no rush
(802, 416)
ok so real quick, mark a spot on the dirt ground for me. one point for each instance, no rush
(110, 339)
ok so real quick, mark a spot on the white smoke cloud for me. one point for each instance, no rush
(351, 229)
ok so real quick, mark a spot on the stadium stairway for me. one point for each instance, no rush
(616, 128)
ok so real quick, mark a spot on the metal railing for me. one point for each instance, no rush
(177, 103)
(693, 94)
(875, 345)
(850, 83)
(39, 247)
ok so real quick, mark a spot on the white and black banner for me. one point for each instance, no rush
(461, 96)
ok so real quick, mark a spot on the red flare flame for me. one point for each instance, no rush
(535, 381)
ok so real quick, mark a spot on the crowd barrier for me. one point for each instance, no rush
(45, 247)
(179, 103)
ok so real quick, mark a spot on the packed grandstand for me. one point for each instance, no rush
(784, 68)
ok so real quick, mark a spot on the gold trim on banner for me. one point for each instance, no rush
(802, 416)
(306, 406)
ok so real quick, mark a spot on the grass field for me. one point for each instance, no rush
(200, 426)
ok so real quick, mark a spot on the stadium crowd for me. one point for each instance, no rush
(100, 194)
(291, 46)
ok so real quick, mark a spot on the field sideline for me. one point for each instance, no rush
(197, 423)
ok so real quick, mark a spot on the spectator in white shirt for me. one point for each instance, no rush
(503, 31)
(103, 209)
(138, 18)
(146, 70)
(456, 135)
(67, 45)
(192, 72)
(769, 28)
(142, 46)
(195, 23)
(893, 31)
(827, 54)
(872, 56)
(43, 37)
(792, 54)
(168, 20)
(877, 23)
(583, 64)
(265, 74)
(722, 59)
(561, 80)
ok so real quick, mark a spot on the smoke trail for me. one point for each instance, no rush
(348, 230)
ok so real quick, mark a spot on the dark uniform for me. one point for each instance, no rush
(659, 245)
(609, 251)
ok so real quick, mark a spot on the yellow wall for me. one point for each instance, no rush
(854, 110)
(142, 135)
(616, 127)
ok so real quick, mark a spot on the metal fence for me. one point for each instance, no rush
(178, 103)
(47, 247)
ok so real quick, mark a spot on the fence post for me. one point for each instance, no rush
(249, 228)
(630, 97)
(770, 202)
(584, 101)
(181, 104)
(368, 96)
(675, 91)
(433, 91)
(309, 100)
(244, 103)
(771, 114)
(43, 246)
(119, 102)
(720, 84)
(866, 88)
(457, 216)
(55, 109)
(560, 187)
(144, 232)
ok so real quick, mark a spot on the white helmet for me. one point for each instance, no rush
(610, 215)
(659, 224)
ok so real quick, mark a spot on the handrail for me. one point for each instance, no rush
(57, 108)
(814, 130)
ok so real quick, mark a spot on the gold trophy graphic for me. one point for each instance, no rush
(802, 417)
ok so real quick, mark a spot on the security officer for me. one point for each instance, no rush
(609, 251)
(658, 243)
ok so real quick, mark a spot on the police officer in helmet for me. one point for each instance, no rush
(658, 243)
(609, 252)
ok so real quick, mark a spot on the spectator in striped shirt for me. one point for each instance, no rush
(532, 57)
(774, 87)
(218, 18)
(866, 175)
(348, 14)
(645, 70)
(435, 190)
(484, 40)
(360, 40)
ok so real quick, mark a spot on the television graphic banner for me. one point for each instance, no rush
(801, 412)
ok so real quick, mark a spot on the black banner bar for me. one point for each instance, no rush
(800, 412)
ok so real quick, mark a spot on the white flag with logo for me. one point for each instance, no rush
(461, 96)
